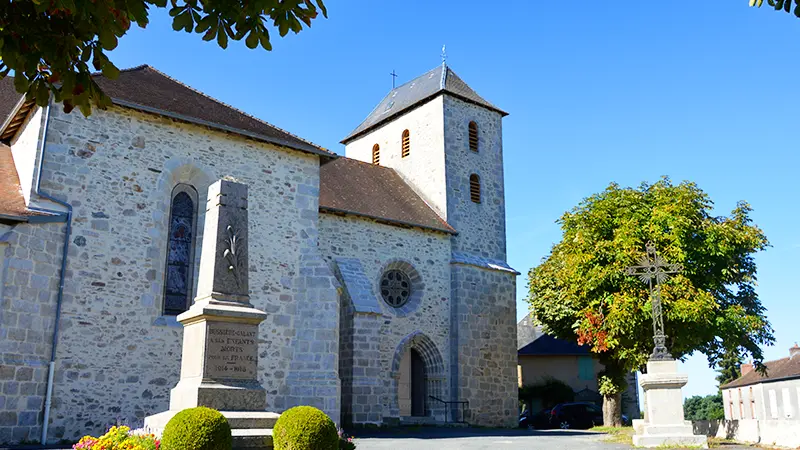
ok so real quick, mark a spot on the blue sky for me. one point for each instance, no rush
(597, 91)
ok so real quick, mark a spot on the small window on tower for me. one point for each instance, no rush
(376, 155)
(406, 144)
(475, 188)
(473, 136)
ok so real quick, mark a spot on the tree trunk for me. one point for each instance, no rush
(612, 410)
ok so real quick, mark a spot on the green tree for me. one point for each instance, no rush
(709, 407)
(580, 292)
(728, 368)
(785, 5)
(49, 45)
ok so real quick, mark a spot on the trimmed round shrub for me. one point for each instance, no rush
(198, 428)
(305, 428)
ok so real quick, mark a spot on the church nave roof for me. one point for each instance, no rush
(349, 186)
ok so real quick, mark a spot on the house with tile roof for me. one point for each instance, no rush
(542, 356)
(383, 272)
(770, 395)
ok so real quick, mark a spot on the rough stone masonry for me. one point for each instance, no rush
(330, 339)
(219, 363)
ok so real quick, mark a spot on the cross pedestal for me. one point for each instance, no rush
(219, 362)
(664, 424)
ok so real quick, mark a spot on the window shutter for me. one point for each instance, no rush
(406, 144)
(475, 188)
(376, 155)
(473, 136)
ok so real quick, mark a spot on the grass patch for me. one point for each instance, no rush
(616, 435)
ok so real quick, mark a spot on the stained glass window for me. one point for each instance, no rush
(178, 286)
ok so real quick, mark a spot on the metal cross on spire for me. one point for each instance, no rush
(653, 271)
(394, 78)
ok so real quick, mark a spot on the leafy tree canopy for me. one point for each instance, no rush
(50, 44)
(581, 293)
(785, 5)
(709, 407)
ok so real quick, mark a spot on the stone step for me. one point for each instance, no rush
(252, 439)
(251, 419)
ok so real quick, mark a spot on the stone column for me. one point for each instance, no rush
(220, 338)
(664, 424)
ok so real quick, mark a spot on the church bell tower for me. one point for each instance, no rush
(446, 141)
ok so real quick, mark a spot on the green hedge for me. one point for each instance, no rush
(305, 428)
(198, 428)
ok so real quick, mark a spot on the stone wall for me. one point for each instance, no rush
(118, 168)
(29, 277)
(375, 246)
(769, 433)
(483, 321)
(424, 168)
(481, 226)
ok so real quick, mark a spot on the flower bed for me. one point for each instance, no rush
(120, 438)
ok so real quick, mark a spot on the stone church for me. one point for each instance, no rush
(383, 273)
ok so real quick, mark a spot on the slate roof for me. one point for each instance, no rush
(780, 369)
(546, 345)
(146, 89)
(349, 186)
(416, 92)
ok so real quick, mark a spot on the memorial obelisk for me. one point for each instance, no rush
(220, 337)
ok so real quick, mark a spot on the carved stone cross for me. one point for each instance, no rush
(653, 271)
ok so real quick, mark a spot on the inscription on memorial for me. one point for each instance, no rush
(232, 351)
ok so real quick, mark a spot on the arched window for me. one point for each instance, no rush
(475, 188)
(473, 136)
(376, 155)
(406, 144)
(180, 251)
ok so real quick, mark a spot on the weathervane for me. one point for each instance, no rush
(394, 77)
(444, 55)
(652, 268)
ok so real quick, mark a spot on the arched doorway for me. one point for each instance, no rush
(418, 369)
(412, 389)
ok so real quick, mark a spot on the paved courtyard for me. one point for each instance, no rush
(483, 438)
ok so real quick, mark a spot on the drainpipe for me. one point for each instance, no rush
(62, 275)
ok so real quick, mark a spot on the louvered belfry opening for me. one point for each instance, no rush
(475, 188)
(406, 144)
(376, 155)
(473, 136)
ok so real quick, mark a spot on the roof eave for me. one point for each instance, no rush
(355, 135)
(733, 383)
(259, 137)
(326, 209)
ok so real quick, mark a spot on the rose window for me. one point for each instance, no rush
(395, 288)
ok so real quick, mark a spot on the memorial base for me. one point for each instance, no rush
(219, 370)
(664, 425)
(250, 429)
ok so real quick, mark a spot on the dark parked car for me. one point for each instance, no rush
(576, 415)
(529, 419)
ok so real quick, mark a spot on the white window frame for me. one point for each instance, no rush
(773, 404)
(788, 408)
